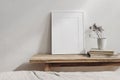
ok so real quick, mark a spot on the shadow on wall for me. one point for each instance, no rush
(45, 43)
(40, 67)
(44, 46)
(28, 66)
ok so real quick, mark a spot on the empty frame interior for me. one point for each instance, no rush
(67, 32)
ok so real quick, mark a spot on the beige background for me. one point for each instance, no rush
(25, 28)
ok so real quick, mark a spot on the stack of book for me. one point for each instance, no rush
(100, 53)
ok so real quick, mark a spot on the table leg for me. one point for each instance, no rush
(47, 67)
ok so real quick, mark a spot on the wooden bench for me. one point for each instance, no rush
(65, 60)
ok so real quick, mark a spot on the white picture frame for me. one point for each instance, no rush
(68, 32)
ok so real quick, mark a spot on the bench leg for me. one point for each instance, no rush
(47, 67)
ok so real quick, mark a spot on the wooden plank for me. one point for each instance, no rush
(47, 67)
(70, 59)
(85, 64)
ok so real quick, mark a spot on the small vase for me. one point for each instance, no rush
(101, 43)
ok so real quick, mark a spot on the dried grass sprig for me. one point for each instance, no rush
(97, 29)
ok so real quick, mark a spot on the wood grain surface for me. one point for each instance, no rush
(71, 58)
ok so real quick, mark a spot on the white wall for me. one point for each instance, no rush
(25, 26)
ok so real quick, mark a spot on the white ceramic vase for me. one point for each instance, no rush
(101, 43)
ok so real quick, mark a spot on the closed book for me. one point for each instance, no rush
(103, 56)
(96, 51)
(99, 55)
